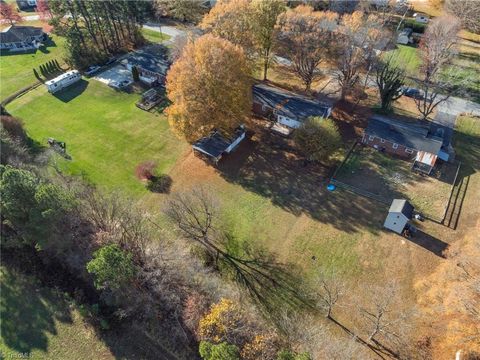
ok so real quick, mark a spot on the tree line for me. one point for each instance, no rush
(95, 30)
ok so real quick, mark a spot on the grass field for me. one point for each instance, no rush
(154, 36)
(16, 69)
(39, 323)
(105, 133)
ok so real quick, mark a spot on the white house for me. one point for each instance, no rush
(63, 81)
(286, 107)
(399, 214)
(18, 38)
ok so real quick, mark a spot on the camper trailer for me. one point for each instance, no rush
(62, 81)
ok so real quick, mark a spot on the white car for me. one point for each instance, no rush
(120, 84)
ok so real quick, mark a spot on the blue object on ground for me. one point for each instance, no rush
(331, 187)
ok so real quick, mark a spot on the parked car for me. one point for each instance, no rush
(111, 61)
(120, 84)
(92, 70)
(412, 93)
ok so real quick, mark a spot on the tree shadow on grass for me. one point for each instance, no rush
(28, 313)
(274, 286)
(268, 165)
(71, 92)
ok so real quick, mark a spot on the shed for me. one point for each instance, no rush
(215, 145)
(399, 214)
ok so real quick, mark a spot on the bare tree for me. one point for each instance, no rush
(383, 319)
(329, 291)
(358, 37)
(389, 78)
(305, 36)
(436, 50)
(467, 11)
(195, 214)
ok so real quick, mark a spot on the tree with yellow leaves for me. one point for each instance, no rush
(231, 20)
(305, 37)
(209, 87)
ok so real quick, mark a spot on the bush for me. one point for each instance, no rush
(145, 170)
(159, 184)
(222, 351)
(14, 127)
(318, 139)
(195, 307)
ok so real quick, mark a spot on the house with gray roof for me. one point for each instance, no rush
(21, 38)
(152, 67)
(417, 140)
(286, 107)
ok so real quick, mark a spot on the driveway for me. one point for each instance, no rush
(455, 106)
(116, 73)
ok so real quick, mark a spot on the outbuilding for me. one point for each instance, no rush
(214, 146)
(399, 214)
(405, 36)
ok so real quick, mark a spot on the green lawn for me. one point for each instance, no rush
(406, 57)
(105, 133)
(154, 36)
(39, 323)
(16, 69)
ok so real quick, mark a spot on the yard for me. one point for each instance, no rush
(16, 69)
(392, 178)
(154, 36)
(105, 133)
(39, 323)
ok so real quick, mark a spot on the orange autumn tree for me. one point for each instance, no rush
(209, 87)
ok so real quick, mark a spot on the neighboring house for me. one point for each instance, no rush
(63, 81)
(26, 4)
(399, 214)
(421, 18)
(216, 145)
(423, 142)
(152, 69)
(405, 36)
(19, 38)
(285, 107)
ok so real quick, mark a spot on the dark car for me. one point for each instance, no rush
(412, 93)
(110, 61)
(92, 70)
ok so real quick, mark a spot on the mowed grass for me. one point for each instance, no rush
(16, 69)
(40, 323)
(106, 135)
(154, 36)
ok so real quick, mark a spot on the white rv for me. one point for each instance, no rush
(62, 81)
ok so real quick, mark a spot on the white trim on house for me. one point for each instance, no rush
(395, 146)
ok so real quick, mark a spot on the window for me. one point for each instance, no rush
(370, 138)
(408, 151)
(382, 141)
(395, 146)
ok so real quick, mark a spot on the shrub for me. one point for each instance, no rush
(318, 139)
(145, 170)
(159, 184)
(14, 127)
(135, 74)
(112, 267)
(222, 351)
(195, 307)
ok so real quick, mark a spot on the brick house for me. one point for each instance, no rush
(409, 140)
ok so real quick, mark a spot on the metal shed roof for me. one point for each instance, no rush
(401, 206)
